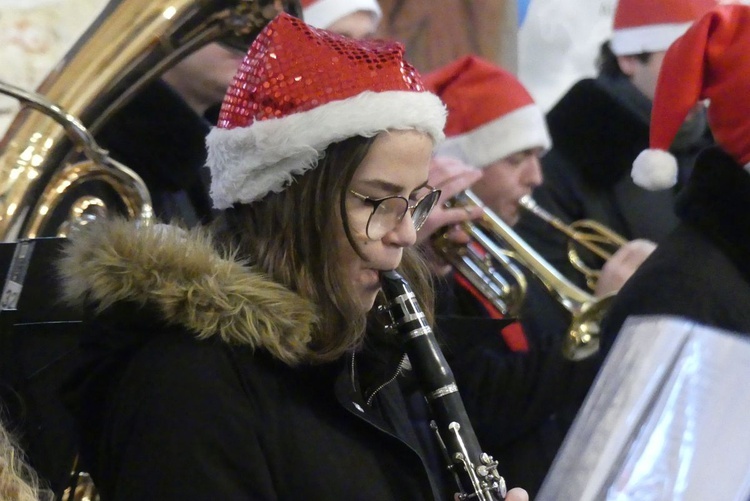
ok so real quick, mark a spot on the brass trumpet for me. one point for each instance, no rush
(591, 235)
(494, 262)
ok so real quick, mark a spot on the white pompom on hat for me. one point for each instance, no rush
(711, 61)
(300, 89)
(652, 25)
(323, 13)
(490, 113)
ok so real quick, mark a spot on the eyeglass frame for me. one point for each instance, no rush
(375, 202)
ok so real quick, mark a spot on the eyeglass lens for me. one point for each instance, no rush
(390, 211)
(423, 208)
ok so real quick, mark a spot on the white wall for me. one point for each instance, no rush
(558, 42)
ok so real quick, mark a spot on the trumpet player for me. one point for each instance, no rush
(601, 124)
(496, 135)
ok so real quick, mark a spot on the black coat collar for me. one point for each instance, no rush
(596, 132)
(601, 125)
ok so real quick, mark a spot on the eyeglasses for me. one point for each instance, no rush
(388, 212)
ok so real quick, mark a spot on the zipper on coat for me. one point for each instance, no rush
(403, 363)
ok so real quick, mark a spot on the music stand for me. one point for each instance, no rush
(666, 419)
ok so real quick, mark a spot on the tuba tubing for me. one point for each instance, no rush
(99, 166)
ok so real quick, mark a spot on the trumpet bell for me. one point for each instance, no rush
(582, 339)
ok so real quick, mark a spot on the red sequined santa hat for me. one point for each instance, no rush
(298, 90)
(490, 113)
(323, 13)
(710, 61)
(652, 25)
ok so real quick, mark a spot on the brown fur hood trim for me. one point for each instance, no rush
(181, 274)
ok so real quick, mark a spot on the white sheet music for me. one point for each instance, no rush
(667, 419)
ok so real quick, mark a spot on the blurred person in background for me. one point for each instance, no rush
(159, 132)
(599, 127)
(352, 18)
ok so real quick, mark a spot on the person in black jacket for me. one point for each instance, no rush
(160, 132)
(601, 124)
(701, 271)
(250, 363)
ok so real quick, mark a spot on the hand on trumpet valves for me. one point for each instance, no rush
(621, 266)
(452, 176)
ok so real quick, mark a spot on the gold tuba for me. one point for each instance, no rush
(494, 261)
(129, 44)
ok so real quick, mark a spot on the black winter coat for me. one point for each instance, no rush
(166, 415)
(163, 140)
(702, 270)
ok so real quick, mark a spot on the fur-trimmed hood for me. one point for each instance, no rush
(180, 275)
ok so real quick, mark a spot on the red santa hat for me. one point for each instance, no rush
(323, 13)
(710, 61)
(652, 25)
(490, 113)
(298, 90)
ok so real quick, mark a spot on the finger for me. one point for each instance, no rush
(458, 236)
(443, 167)
(443, 170)
(458, 183)
(517, 494)
(459, 215)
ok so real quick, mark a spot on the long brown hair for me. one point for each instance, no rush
(290, 236)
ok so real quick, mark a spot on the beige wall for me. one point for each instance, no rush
(436, 32)
(34, 35)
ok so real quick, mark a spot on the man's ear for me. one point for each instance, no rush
(628, 64)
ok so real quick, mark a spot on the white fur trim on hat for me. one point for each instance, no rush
(654, 170)
(654, 38)
(323, 13)
(248, 162)
(519, 130)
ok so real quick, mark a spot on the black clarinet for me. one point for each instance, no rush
(475, 471)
